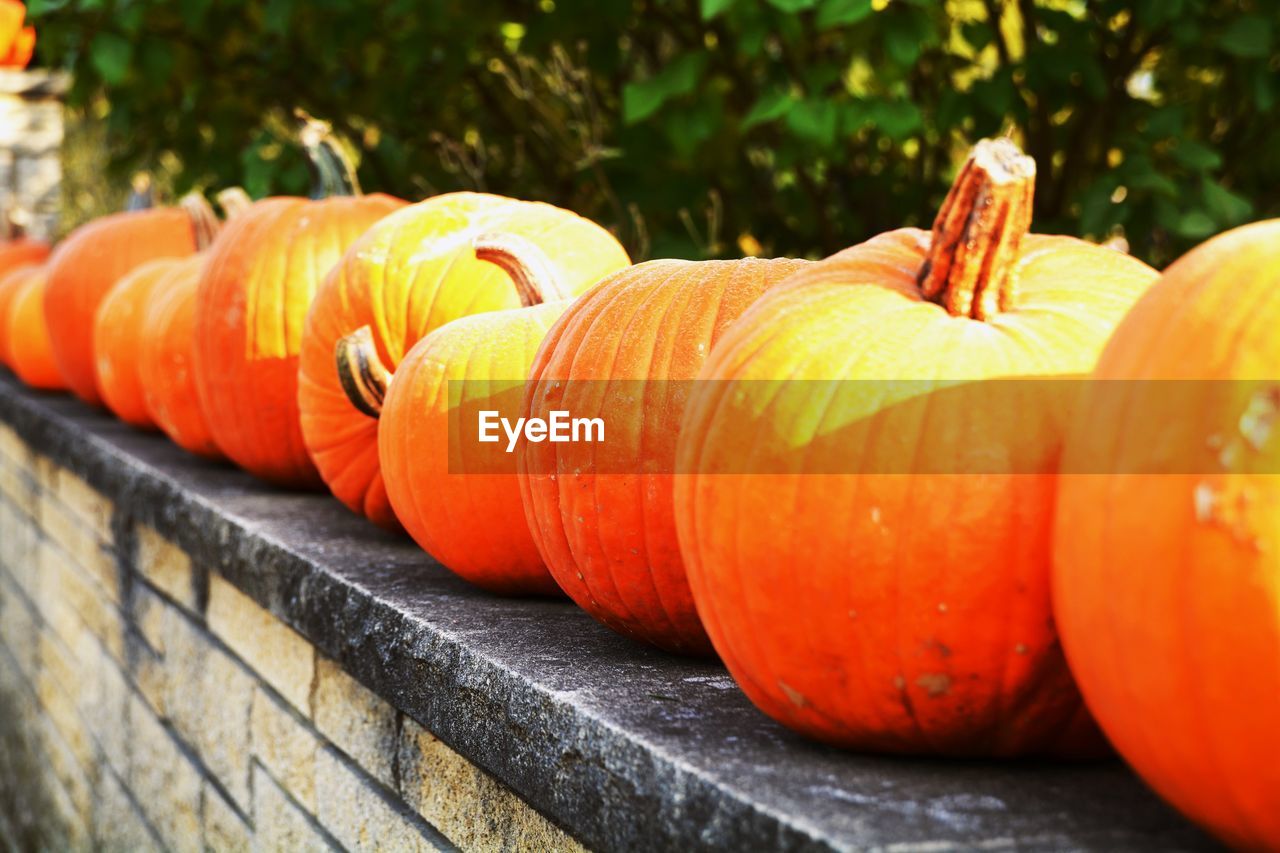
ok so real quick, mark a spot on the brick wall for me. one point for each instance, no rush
(145, 702)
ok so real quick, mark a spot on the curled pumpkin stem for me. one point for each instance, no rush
(332, 172)
(536, 278)
(203, 220)
(363, 376)
(234, 201)
(977, 236)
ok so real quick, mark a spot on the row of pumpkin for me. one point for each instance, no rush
(931, 614)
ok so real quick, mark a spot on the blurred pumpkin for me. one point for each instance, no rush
(11, 282)
(30, 349)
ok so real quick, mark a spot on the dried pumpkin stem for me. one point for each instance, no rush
(332, 173)
(234, 201)
(977, 237)
(536, 278)
(363, 376)
(203, 220)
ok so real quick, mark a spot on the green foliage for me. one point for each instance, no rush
(705, 128)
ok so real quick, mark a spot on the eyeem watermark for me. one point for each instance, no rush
(558, 428)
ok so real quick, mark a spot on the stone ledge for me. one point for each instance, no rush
(624, 747)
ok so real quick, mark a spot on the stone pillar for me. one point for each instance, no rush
(31, 147)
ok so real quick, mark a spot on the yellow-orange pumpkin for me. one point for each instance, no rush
(867, 516)
(412, 273)
(30, 351)
(1167, 547)
(601, 515)
(11, 282)
(456, 496)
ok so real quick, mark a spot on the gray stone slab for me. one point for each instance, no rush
(625, 747)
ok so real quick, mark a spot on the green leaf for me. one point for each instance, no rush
(1248, 37)
(110, 55)
(770, 107)
(1196, 224)
(642, 99)
(814, 119)
(1264, 90)
(842, 13)
(1197, 156)
(1166, 121)
(37, 8)
(897, 119)
(1224, 206)
(793, 5)
(711, 8)
(276, 17)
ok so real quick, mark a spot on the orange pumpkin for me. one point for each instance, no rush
(251, 304)
(93, 258)
(1167, 548)
(166, 355)
(868, 540)
(602, 516)
(22, 252)
(118, 336)
(30, 349)
(11, 282)
(457, 497)
(410, 274)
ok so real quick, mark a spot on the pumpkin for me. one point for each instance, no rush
(89, 262)
(22, 252)
(24, 45)
(458, 497)
(30, 350)
(601, 515)
(868, 541)
(412, 273)
(252, 302)
(118, 337)
(11, 282)
(1167, 549)
(12, 14)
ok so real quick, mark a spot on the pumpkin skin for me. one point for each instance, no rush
(410, 274)
(11, 282)
(166, 360)
(31, 352)
(1166, 584)
(118, 335)
(92, 259)
(252, 301)
(468, 516)
(904, 608)
(606, 534)
(22, 252)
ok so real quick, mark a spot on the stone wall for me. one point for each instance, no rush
(30, 147)
(147, 703)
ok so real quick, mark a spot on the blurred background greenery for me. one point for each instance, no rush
(695, 128)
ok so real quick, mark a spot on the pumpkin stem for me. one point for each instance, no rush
(536, 278)
(332, 173)
(363, 376)
(977, 235)
(203, 220)
(234, 201)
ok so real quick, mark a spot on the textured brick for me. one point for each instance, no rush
(19, 490)
(279, 823)
(91, 552)
(164, 781)
(359, 815)
(86, 504)
(118, 824)
(167, 567)
(62, 580)
(208, 698)
(103, 700)
(19, 628)
(467, 805)
(286, 747)
(225, 831)
(62, 713)
(146, 663)
(20, 536)
(272, 649)
(355, 720)
(69, 771)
